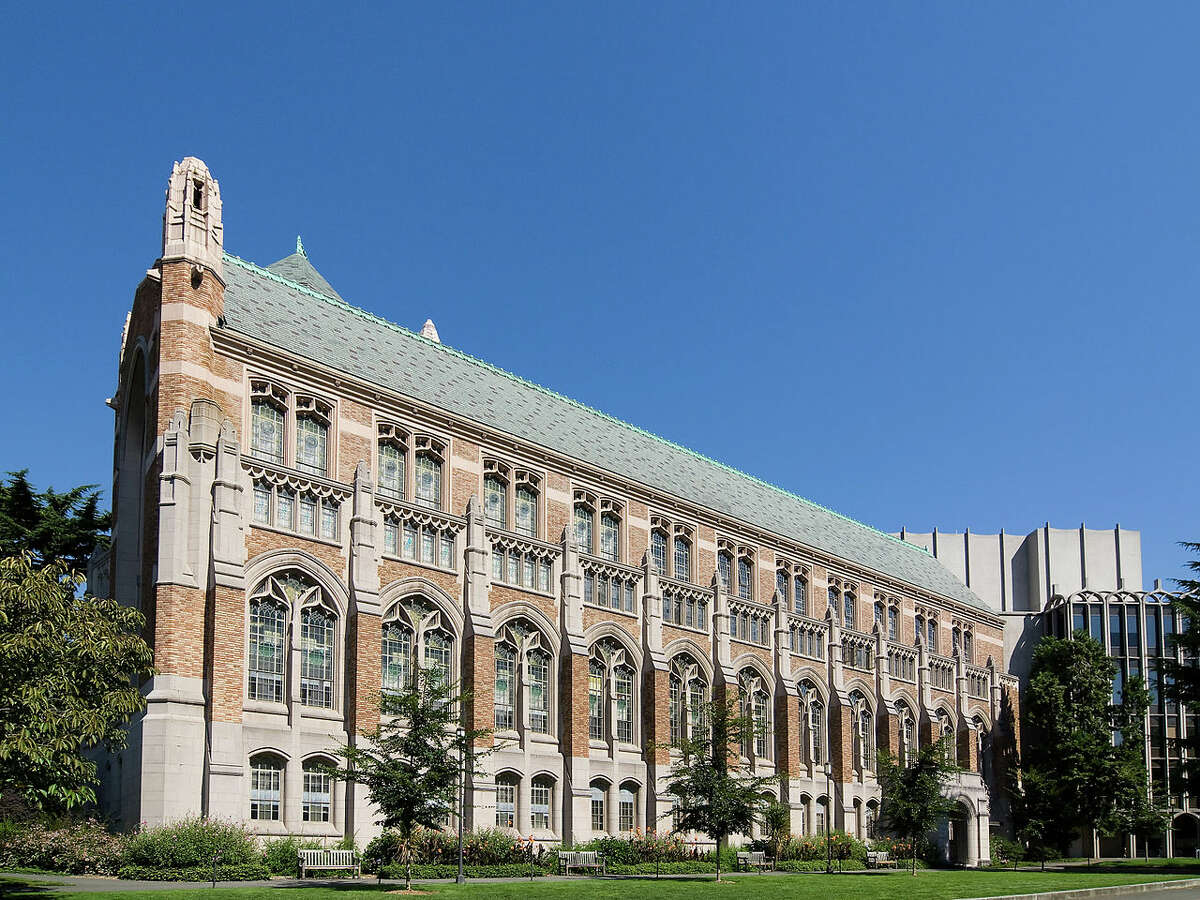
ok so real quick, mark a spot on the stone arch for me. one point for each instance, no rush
(273, 561)
(695, 651)
(761, 669)
(612, 631)
(130, 486)
(271, 750)
(1185, 834)
(522, 609)
(402, 588)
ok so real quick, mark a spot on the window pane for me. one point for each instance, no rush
(316, 658)
(285, 510)
(544, 575)
(428, 478)
(610, 530)
(506, 804)
(595, 702)
(525, 513)
(266, 431)
(683, 559)
(505, 693)
(437, 656)
(311, 439)
(308, 515)
(262, 503)
(658, 552)
(391, 538)
(328, 521)
(265, 789)
(267, 654)
(744, 573)
(495, 494)
(391, 469)
(800, 589)
(428, 538)
(396, 658)
(446, 558)
(539, 701)
(624, 697)
(410, 541)
(725, 569)
(583, 528)
(317, 795)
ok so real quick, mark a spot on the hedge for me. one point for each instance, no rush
(690, 867)
(244, 872)
(443, 870)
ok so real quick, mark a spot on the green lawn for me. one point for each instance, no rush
(926, 885)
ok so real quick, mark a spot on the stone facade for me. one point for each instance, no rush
(300, 538)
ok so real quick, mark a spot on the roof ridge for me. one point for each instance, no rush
(364, 314)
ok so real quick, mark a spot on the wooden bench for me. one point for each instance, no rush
(328, 860)
(579, 859)
(879, 859)
(753, 859)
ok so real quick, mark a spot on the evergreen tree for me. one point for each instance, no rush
(913, 798)
(51, 525)
(715, 793)
(70, 666)
(1182, 681)
(1136, 809)
(410, 765)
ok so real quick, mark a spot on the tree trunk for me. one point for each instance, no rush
(718, 859)
(407, 864)
(913, 842)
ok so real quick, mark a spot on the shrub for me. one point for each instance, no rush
(85, 848)
(192, 844)
(811, 847)
(689, 867)
(485, 847)
(281, 855)
(637, 848)
(1005, 850)
(445, 870)
(241, 872)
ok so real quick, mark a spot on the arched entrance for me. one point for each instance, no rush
(956, 835)
(1185, 835)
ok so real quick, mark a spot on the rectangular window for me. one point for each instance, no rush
(495, 499)
(506, 804)
(1116, 637)
(391, 538)
(427, 544)
(316, 660)
(262, 503)
(514, 564)
(539, 806)
(396, 661)
(497, 565)
(683, 559)
(285, 504)
(629, 596)
(329, 519)
(658, 552)
(589, 587)
(446, 557)
(583, 528)
(1097, 622)
(267, 654)
(744, 571)
(505, 690)
(266, 431)
(725, 570)
(625, 812)
(317, 790)
(391, 470)
(624, 692)
(544, 575)
(595, 704)
(265, 792)
(597, 809)
(527, 572)
(1132, 623)
(410, 541)
(610, 530)
(311, 444)
(539, 701)
(602, 592)
(308, 515)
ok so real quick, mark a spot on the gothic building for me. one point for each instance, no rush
(310, 501)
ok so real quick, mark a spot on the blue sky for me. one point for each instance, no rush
(929, 264)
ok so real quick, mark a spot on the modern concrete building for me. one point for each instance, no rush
(310, 501)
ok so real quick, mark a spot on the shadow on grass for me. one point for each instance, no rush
(18, 887)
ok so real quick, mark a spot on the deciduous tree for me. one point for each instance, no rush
(70, 666)
(913, 795)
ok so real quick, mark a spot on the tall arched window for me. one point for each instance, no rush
(611, 698)
(849, 617)
(931, 631)
(725, 570)
(835, 598)
(782, 583)
(755, 703)
(599, 789)
(506, 801)
(525, 510)
(683, 558)
(268, 652)
(316, 657)
(981, 748)
(745, 569)
(541, 796)
(812, 719)
(863, 725)
(658, 551)
(800, 594)
(946, 733)
(610, 536)
(968, 644)
(688, 692)
(415, 630)
(879, 614)
(893, 620)
(427, 489)
(955, 640)
(393, 459)
(919, 630)
(585, 519)
(904, 715)
(495, 500)
(312, 435)
(268, 410)
(626, 807)
(505, 702)
(266, 787)
(523, 667)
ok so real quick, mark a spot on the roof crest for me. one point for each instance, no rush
(379, 320)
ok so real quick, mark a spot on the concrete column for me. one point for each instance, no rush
(293, 793)
(524, 804)
(611, 809)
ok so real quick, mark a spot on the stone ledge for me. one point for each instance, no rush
(1111, 890)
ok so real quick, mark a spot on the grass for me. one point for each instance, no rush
(926, 885)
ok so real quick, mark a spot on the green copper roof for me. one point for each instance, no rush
(290, 305)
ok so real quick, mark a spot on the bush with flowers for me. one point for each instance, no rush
(485, 847)
(85, 848)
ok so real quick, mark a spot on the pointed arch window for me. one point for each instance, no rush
(812, 723)
(318, 791)
(393, 460)
(316, 657)
(427, 475)
(626, 808)
(863, 734)
(725, 570)
(745, 569)
(525, 509)
(611, 697)
(946, 734)
(683, 558)
(800, 594)
(906, 733)
(658, 551)
(268, 654)
(918, 630)
(610, 536)
(879, 614)
(849, 617)
(955, 640)
(312, 435)
(268, 411)
(506, 801)
(415, 631)
(932, 635)
(755, 702)
(585, 520)
(397, 655)
(893, 620)
(782, 583)
(968, 645)
(522, 670)
(495, 500)
(505, 692)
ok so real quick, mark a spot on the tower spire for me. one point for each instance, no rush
(300, 247)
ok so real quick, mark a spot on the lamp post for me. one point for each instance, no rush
(462, 759)
(828, 814)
